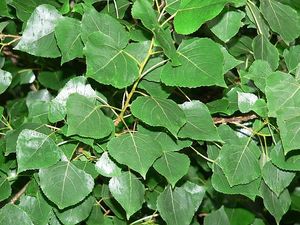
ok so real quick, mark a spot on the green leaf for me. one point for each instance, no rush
(52, 80)
(38, 37)
(239, 216)
(155, 89)
(67, 33)
(159, 112)
(106, 25)
(264, 50)
(276, 179)
(12, 214)
(246, 101)
(172, 6)
(164, 138)
(128, 191)
(77, 85)
(282, 19)
(96, 217)
(199, 125)
(230, 62)
(218, 217)
(173, 166)
(117, 9)
(176, 207)
(291, 58)
(35, 150)
(106, 167)
(196, 193)
(236, 158)
(201, 63)
(220, 184)
(61, 181)
(289, 162)
(5, 80)
(85, 118)
(77, 213)
(109, 64)
(277, 206)
(227, 24)
(192, 14)
(37, 208)
(5, 189)
(137, 151)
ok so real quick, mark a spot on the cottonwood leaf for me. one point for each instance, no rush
(105, 24)
(264, 50)
(106, 167)
(12, 214)
(5, 189)
(276, 179)
(137, 151)
(172, 6)
(239, 216)
(291, 58)
(159, 112)
(77, 213)
(85, 118)
(220, 184)
(199, 125)
(176, 206)
(5, 80)
(109, 64)
(68, 36)
(192, 14)
(218, 217)
(117, 9)
(77, 85)
(201, 63)
(246, 101)
(164, 138)
(35, 150)
(128, 191)
(227, 24)
(144, 11)
(235, 160)
(196, 192)
(173, 166)
(230, 62)
(37, 208)
(96, 217)
(277, 206)
(282, 19)
(38, 37)
(61, 181)
(289, 162)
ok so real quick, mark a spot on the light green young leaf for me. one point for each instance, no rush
(176, 206)
(164, 138)
(277, 206)
(128, 191)
(291, 58)
(67, 33)
(173, 166)
(38, 37)
(137, 151)
(227, 24)
(264, 50)
(201, 63)
(220, 184)
(5, 80)
(199, 125)
(35, 150)
(106, 167)
(77, 85)
(159, 112)
(282, 19)
(85, 118)
(109, 64)
(77, 213)
(192, 14)
(236, 158)
(61, 181)
(284, 162)
(218, 217)
(276, 179)
(5, 189)
(37, 208)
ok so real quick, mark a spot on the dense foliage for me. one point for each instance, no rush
(171, 112)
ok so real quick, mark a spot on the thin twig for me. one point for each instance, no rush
(19, 194)
(236, 119)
